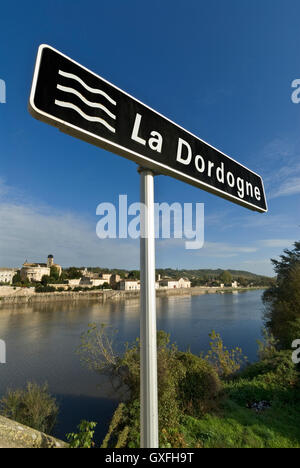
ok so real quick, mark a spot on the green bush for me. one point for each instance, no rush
(227, 362)
(33, 407)
(200, 385)
(275, 379)
(84, 437)
(279, 366)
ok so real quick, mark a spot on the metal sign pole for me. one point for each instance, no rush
(148, 398)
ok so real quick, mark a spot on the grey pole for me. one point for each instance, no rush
(148, 398)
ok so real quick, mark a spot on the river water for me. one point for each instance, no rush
(42, 340)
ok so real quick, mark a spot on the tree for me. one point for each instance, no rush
(45, 280)
(282, 301)
(134, 274)
(72, 273)
(17, 278)
(225, 277)
(54, 273)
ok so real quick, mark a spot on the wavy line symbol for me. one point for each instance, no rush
(95, 105)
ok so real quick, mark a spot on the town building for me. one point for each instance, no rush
(88, 281)
(36, 271)
(184, 283)
(129, 285)
(114, 280)
(7, 274)
(50, 264)
(106, 277)
(170, 283)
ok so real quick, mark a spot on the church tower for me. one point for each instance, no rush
(50, 261)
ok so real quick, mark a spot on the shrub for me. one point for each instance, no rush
(33, 407)
(84, 437)
(278, 368)
(226, 362)
(275, 379)
(185, 383)
(268, 346)
(200, 385)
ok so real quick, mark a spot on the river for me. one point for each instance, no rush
(42, 340)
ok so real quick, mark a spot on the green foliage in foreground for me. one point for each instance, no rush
(84, 437)
(33, 407)
(204, 401)
(232, 423)
(237, 425)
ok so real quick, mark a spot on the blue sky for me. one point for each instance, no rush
(222, 70)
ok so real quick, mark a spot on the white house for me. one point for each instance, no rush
(7, 274)
(36, 271)
(129, 285)
(169, 283)
(87, 281)
(184, 283)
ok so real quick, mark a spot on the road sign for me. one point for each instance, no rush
(79, 102)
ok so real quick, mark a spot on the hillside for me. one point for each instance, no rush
(197, 277)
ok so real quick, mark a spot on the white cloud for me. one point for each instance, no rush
(29, 232)
(278, 243)
(291, 186)
(282, 168)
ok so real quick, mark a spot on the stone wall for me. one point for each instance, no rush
(101, 296)
(15, 435)
(15, 291)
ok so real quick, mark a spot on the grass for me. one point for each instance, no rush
(242, 428)
(197, 413)
(236, 426)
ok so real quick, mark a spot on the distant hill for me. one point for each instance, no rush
(213, 275)
(200, 276)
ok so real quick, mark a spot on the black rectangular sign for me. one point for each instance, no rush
(84, 105)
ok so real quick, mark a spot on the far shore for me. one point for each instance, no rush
(109, 294)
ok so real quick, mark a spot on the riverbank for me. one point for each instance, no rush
(20, 297)
(42, 340)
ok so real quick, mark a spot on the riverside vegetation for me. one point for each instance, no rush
(32, 406)
(207, 401)
(213, 400)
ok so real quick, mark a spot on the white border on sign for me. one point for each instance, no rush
(37, 112)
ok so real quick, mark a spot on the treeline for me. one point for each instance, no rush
(209, 277)
(199, 277)
(282, 300)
